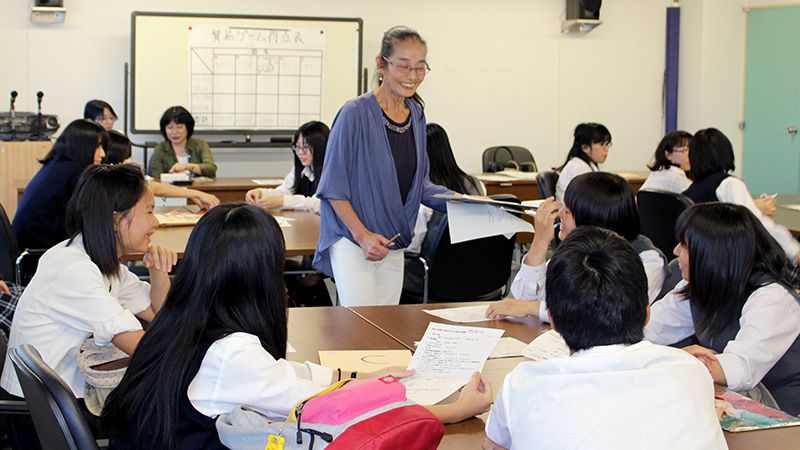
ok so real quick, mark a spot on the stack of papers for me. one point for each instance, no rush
(548, 345)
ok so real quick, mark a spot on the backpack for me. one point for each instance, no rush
(350, 415)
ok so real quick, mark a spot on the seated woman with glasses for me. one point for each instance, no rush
(299, 188)
(670, 164)
(181, 152)
(589, 148)
(100, 112)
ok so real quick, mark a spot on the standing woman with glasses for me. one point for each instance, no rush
(299, 188)
(589, 149)
(375, 178)
(670, 164)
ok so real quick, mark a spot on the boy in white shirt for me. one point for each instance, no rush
(615, 390)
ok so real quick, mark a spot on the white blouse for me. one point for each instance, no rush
(574, 167)
(237, 370)
(672, 179)
(290, 199)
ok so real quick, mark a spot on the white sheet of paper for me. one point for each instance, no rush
(269, 182)
(792, 207)
(290, 349)
(508, 347)
(464, 314)
(283, 222)
(547, 346)
(468, 221)
(446, 358)
(532, 203)
(364, 360)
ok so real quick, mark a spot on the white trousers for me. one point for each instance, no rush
(365, 283)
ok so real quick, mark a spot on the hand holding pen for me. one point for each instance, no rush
(766, 204)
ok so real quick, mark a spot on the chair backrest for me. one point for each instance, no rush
(659, 210)
(9, 248)
(473, 270)
(55, 412)
(546, 182)
(495, 159)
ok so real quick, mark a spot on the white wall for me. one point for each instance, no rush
(502, 71)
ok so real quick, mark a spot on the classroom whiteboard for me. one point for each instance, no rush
(253, 74)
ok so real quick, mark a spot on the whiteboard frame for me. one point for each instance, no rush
(250, 131)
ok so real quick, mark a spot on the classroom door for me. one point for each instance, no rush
(771, 156)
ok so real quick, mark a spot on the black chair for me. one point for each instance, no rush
(58, 418)
(476, 270)
(495, 159)
(546, 182)
(672, 278)
(659, 210)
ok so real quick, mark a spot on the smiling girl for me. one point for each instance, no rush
(80, 287)
(181, 152)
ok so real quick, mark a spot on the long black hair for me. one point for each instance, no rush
(97, 108)
(731, 255)
(316, 136)
(117, 147)
(242, 291)
(391, 38)
(586, 134)
(444, 169)
(101, 191)
(604, 200)
(676, 138)
(77, 143)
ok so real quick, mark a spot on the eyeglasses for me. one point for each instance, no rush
(404, 69)
(606, 144)
(298, 149)
(680, 149)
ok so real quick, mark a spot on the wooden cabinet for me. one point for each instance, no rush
(19, 162)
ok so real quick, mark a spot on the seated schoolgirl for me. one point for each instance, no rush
(670, 164)
(40, 219)
(80, 287)
(299, 188)
(101, 113)
(444, 171)
(220, 341)
(589, 149)
(711, 158)
(118, 151)
(735, 301)
(600, 199)
(181, 152)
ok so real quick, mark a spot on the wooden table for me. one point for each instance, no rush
(332, 328)
(228, 189)
(301, 238)
(528, 189)
(788, 217)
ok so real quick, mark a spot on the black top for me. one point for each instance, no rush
(40, 221)
(705, 190)
(195, 429)
(404, 152)
(783, 380)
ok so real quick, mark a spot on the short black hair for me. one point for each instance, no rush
(177, 114)
(597, 290)
(710, 151)
(117, 147)
(96, 108)
(102, 190)
(605, 200)
(78, 143)
(586, 134)
(676, 138)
